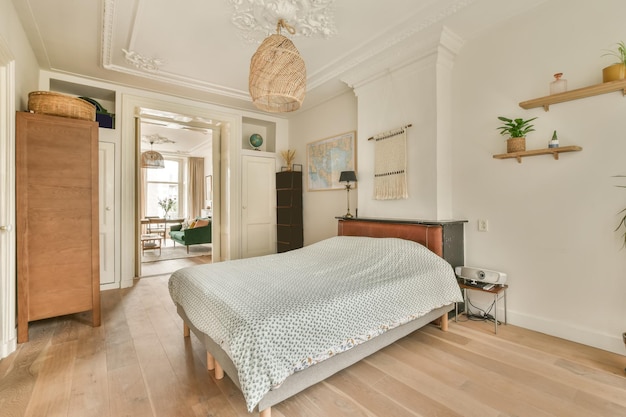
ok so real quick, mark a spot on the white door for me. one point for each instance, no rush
(258, 199)
(107, 212)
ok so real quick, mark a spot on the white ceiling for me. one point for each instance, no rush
(203, 55)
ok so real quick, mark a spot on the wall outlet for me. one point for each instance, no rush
(483, 225)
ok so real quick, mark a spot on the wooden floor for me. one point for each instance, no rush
(138, 364)
(167, 267)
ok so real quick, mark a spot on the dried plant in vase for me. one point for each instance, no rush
(288, 155)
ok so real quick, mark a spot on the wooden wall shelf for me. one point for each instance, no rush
(579, 93)
(547, 151)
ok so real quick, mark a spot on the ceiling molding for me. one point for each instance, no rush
(181, 81)
(108, 19)
(151, 69)
(408, 40)
(196, 52)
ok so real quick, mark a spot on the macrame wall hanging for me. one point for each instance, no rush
(390, 165)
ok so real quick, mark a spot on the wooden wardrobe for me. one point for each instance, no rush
(58, 265)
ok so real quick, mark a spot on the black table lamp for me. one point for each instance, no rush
(347, 176)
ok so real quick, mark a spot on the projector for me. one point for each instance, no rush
(480, 275)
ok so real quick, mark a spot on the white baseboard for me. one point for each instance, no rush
(127, 283)
(564, 330)
(8, 347)
(111, 286)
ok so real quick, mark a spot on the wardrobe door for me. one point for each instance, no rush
(258, 196)
(57, 218)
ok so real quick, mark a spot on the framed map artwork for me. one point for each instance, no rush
(326, 158)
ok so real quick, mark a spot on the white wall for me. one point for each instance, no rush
(321, 207)
(401, 97)
(18, 73)
(26, 68)
(551, 223)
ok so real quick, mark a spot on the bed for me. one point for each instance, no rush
(280, 323)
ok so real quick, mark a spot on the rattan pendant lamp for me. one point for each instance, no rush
(277, 79)
(152, 159)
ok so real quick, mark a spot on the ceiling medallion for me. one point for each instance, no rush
(142, 62)
(156, 139)
(257, 18)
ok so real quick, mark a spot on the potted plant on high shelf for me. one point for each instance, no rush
(616, 71)
(516, 130)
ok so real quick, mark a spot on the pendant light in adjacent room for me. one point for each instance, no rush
(152, 159)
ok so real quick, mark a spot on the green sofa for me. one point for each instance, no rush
(187, 237)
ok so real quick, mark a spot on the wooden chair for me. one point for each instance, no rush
(156, 226)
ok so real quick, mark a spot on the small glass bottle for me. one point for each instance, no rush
(559, 85)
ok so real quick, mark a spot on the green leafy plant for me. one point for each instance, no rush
(167, 204)
(515, 128)
(620, 54)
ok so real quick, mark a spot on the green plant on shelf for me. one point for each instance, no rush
(515, 128)
(619, 54)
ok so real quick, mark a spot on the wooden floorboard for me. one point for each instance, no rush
(139, 364)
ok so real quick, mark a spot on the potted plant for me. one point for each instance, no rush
(166, 205)
(516, 130)
(617, 71)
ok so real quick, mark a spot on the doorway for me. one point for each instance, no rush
(175, 190)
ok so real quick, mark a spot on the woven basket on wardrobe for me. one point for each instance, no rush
(56, 104)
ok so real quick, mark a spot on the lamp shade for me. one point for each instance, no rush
(347, 176)
(152, 159)
(277, 79)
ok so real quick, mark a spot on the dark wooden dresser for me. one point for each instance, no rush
(289, 229)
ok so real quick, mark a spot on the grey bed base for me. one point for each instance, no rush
(303, 379)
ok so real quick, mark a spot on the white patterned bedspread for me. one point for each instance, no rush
(280, 313)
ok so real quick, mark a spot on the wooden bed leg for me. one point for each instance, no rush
(266, 413)
(186, 331)
(210, 362)
(444, 322)
(219, 372)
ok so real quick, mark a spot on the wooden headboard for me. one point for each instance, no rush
(428, 235)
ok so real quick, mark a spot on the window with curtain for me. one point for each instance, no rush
(164, 183)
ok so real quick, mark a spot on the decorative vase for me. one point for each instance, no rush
(613, 72)
(515, 145)
(559, 85)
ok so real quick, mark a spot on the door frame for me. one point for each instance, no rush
(130, 159)
(8, 334)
